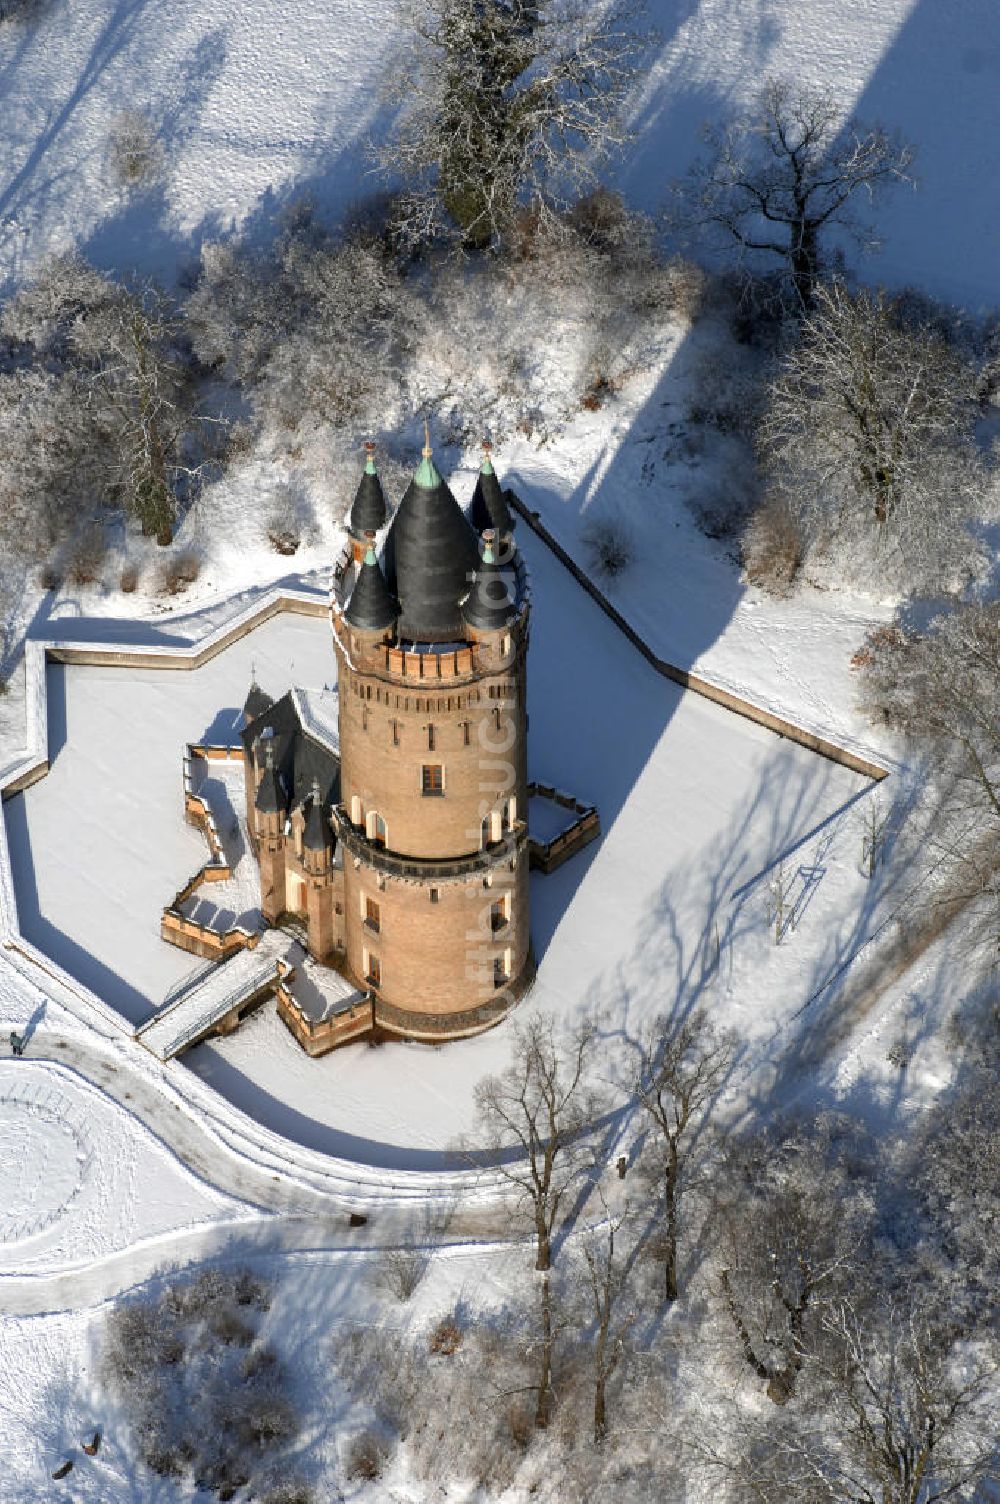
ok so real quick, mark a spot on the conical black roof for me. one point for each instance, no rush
(431, 555)
(316, 835)
(371, 607)
(368, 513)
(490, 605)
(269, 798)
(256, 702)
(489, 509)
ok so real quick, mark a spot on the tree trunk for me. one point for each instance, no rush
(600, 1414)
(804, 258)
(543, 1255)
(670, 1218)
(543, 1409)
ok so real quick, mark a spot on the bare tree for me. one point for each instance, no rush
(505, 102)
(681, 1070)
(909, 1415)
(780, 178)
(868, 435)
(540, 1105)
(106, 362)
(790, 1226)
(607, 1283)
(942, 687)
(874, 834)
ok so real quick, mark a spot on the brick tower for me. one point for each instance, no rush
(431, 813)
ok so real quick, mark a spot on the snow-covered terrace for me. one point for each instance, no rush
(666, 912)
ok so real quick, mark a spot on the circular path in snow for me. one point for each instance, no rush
(44, 1157)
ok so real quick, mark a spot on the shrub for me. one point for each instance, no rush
(199, 1401)
(609, 545)
(773, 547)
(400, 1270)
(20, 10)
(129, 579)
(366, 1456)
(446, 1338)
(135, 153)
(283, 531)
(180, 571)
(49, 577)
(87, 554)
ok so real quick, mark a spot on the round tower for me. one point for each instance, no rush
(433, 769)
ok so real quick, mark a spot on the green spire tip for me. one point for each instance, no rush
(370, 555)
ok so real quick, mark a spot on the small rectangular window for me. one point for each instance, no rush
(373, 915)
(434, 895)
(374, 970)
(430, 738)
(466, 732)
(499, 971)
(432, 778)
(395, 733)
(499, 914)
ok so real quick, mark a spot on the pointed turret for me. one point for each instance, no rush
(489, 509)
(256, 701)
(316, 835)
(368, 513)
(371, 607)
(270, 798)
(431, 554)
(490, 606)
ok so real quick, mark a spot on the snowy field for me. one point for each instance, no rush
(81, 1180)
(255, 105)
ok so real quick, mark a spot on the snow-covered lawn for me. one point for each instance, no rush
(252, 105)
(81, 1179)
(100, 845)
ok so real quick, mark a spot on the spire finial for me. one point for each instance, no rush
(486, 468)
(427, 450)
(269, 752)
(315, 791)
(370, 460)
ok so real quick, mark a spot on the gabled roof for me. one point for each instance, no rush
(430, 558)
(368, 512)
(298, 759)
(371, 608)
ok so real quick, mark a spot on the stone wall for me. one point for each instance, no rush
(435, 943)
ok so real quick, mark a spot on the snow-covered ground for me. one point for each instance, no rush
(100, 845)
(253, 106)
(80, 1179)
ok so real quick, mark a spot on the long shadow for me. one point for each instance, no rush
(80, 963)
(240, 1089)
(117, 33)
(937, 85)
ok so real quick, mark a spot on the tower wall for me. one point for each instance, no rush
(442, 906)
(474, 730)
